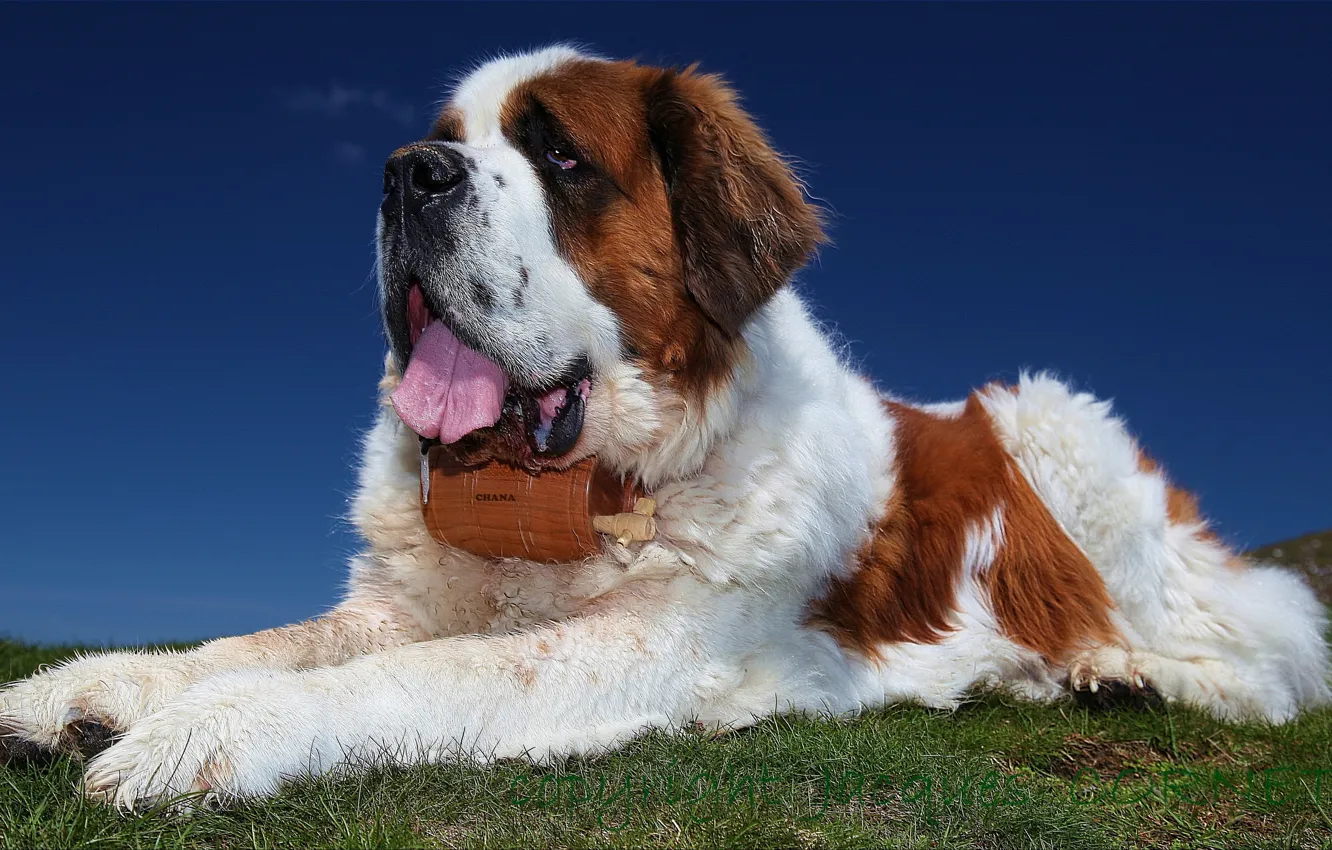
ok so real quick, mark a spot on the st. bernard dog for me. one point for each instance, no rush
(587, 257)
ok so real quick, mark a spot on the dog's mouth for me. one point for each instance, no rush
(450, 391)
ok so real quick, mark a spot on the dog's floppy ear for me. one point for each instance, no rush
(740, 216)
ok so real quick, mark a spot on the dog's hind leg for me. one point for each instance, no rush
(1201, 623)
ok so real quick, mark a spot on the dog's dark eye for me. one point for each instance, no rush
(561, 158)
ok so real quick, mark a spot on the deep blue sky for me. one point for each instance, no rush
(1137, 196)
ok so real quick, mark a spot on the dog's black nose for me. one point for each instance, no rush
(419, 174)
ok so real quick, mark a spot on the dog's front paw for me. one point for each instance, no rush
(81, 705)
(232, 737)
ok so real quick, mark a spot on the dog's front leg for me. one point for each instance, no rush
(80, 704)
(591, 681)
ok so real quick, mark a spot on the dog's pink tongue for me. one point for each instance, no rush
(449, 390)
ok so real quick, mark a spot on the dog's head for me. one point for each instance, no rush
(568, 259)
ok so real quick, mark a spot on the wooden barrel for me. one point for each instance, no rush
(497, 511)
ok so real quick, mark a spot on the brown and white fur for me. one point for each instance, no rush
(821, 546)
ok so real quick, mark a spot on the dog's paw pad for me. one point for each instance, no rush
(88, 736)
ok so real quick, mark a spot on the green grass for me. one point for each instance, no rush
(995, 773)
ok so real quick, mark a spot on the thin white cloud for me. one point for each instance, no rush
(337, 100)
(349, 153)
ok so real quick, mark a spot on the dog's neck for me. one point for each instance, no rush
(786, 364)
(795, 434)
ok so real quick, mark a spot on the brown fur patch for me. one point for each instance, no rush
(953, 474)
(448, 126)
(904, 589)
(526, 674)
(639, 215)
